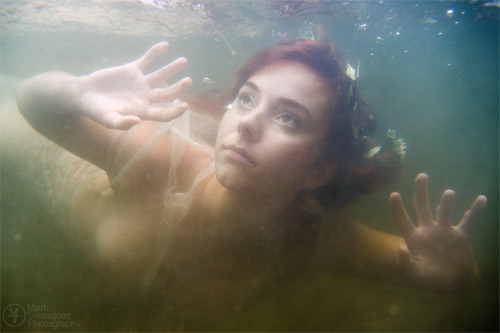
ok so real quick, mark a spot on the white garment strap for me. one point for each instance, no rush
(140, 155)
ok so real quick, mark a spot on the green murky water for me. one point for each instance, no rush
(430, 71)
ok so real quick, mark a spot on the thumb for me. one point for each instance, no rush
(405, 259)
(114, 120)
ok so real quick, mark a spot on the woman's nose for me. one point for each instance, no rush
(250, 126)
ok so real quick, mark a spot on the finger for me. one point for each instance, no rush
(400, 216)
(151, 55)
(443, 211)
(161, 76)
(166, 114)
(471, 216)
(115, 120)
(421, 200)
(163, 95)
(404, 259)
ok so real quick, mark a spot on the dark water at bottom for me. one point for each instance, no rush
(441, 96)
(43, 268)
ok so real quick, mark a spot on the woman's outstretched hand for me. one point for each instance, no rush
(437, 255)
(120, 97)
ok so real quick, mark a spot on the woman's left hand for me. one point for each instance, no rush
(437, 255)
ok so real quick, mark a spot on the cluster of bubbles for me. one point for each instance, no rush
(389, 30)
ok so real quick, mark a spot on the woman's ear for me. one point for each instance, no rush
(322, 173)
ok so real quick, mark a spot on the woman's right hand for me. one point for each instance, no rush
(120, 97)
(437, 255)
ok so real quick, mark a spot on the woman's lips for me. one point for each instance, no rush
(239, 154)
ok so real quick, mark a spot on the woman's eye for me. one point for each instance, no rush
(246, 100)
(289, 119)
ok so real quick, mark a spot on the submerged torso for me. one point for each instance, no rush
(163, 224)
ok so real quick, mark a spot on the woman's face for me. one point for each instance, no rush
(271, 141)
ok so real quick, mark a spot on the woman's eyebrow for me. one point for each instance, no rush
(295, 105)
(251, 85)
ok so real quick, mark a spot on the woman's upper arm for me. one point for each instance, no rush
(355, 248)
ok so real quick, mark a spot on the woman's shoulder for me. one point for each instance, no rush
(145, 155)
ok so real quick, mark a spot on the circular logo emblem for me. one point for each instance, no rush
(14, 315)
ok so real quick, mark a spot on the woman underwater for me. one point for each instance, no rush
(156, 204)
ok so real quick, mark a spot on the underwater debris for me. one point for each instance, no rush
(428, 20)
(495, 3)
(352, 73)
(280, 35)
(308, 35)
(361, 26)
(233, 52)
